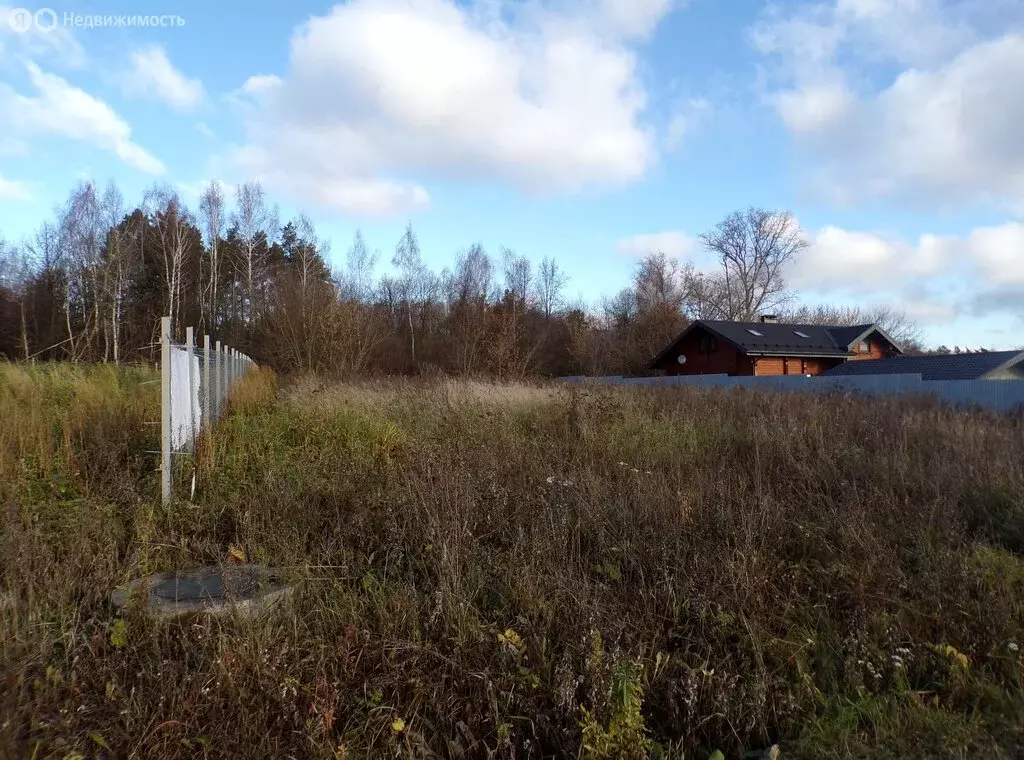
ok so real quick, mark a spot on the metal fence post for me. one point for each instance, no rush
(206, 381)
(190, 348)
(165, 409)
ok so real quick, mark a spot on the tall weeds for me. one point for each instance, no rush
(524, 571)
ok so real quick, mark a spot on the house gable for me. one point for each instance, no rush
(871, 343)
(702, 351)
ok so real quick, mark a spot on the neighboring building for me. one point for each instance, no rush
(769, 347)
(990, 365)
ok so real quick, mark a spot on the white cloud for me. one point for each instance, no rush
(933, 279)
(944, 127)
(672, 243)
(545, 98)
(909, 32)
(12, 190)
(634, 18)
(260, 83)
(814, 107)
(58, 108)
(151, 74)
(862, 262)
(998, 253)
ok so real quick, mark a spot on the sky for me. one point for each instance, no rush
(594, 131)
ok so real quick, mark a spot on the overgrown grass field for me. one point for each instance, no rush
(514, 571)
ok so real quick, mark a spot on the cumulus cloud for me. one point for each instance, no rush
(815, 106)
(151, 74)
(944, 126)
(861, 262)
(933, 278)
(58, 108)
(998, 253)
(672, 243)
(545, 97)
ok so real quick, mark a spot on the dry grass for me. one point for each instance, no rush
(522, 571)
(447, 393)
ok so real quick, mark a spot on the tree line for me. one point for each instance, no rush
(91, 283)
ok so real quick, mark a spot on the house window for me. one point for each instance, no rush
(708, 344)
(863, 347)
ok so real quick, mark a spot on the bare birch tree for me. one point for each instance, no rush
(15, 272)
(311, 255)
(256, 223)
(82, 237)
(118, 267)
(172, 221)
(355, 283)
(550, 284)
(518, 277)
(411, 273)
(212, 216)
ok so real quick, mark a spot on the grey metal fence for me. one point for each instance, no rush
(195, 384)
(997, 395)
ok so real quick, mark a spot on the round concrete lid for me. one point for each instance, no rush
(212, 589)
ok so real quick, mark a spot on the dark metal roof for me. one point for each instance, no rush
(777, 337)
(782, 339)
(937, 367)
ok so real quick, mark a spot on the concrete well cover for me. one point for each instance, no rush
(210, 589)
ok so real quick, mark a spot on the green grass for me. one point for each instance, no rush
(515, 571)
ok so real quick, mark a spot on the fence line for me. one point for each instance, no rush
(996, 395)
(195, 383)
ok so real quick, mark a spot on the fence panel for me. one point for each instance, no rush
(997, 395)
(195, 384)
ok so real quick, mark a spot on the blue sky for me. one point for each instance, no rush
(590, 130)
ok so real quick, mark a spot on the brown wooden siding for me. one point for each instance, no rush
(770, 366)
(815, 366)
(878, 348)
(794, 365)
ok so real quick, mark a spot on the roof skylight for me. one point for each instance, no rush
(755, 332)
(801, 334)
